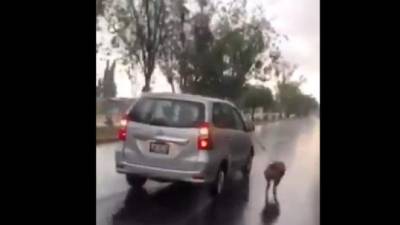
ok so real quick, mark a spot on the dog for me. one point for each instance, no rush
(274, 172)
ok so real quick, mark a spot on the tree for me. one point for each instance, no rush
(207, 61)
(240, 48)
(221, 59)
(257, 96)
(288, 90)
(287, 94)
(99, 88)
(141, 27)
(108, 45)
(109, 87)
(304, 104)
(172, 52)
(99, 7)
(197, 63)
(293, 101)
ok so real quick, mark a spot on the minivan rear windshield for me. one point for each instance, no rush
(167, 112)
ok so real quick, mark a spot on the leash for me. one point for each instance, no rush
(259, 143)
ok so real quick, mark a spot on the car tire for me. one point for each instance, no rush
(135, 181)
(247, 167)
(218, 185)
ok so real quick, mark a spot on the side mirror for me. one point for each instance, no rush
(249, 126)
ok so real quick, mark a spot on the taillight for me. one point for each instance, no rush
(123, 128)
(204, 141)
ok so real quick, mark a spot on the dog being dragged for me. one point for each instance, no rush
(274, 172)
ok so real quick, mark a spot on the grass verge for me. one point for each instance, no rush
(106, 134)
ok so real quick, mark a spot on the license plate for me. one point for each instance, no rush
(160, 148)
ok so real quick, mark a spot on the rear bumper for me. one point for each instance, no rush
(199, 169)
(162, 174)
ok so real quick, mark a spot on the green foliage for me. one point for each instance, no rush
(214, 63)
(220, 69)
(293, 101)
(217, 63)
(172, 54)
(304, 104)
(141, 26)
(257, 96)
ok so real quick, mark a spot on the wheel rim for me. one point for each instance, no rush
(220, 183)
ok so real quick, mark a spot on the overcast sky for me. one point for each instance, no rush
(299, 19)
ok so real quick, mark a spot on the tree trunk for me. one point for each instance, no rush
(146, 87)
(183, 83)
(148, 71)
(172, 86)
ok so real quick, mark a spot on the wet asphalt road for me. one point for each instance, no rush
(294, 141)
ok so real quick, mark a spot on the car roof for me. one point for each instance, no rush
(188, 97)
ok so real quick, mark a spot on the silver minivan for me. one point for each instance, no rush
(180, 137)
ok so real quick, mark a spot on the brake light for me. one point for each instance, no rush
(123, 128)
(204, 141)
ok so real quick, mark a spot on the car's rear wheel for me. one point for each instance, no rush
(249, 163)
(218, 185)
(135, 181)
